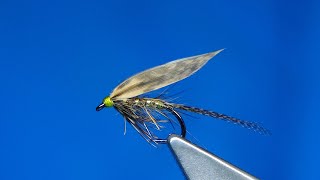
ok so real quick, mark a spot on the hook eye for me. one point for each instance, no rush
(101, 106)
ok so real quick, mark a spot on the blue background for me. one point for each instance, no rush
(59, 59)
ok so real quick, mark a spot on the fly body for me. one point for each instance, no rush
(147, 102)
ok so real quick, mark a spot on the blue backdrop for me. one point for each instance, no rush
(59, 59)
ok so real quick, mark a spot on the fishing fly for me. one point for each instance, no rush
(147, 114)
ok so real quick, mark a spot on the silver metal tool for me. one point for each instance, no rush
(199, 164)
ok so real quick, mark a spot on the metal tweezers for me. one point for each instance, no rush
(197, 163)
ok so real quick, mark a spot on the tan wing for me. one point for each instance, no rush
(160, 76)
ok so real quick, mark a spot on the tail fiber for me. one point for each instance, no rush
(247, 124)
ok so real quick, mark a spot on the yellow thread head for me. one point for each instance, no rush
(107, 102)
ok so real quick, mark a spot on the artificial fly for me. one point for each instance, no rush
(146, 114)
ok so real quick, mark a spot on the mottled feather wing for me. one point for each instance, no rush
(160, 76)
